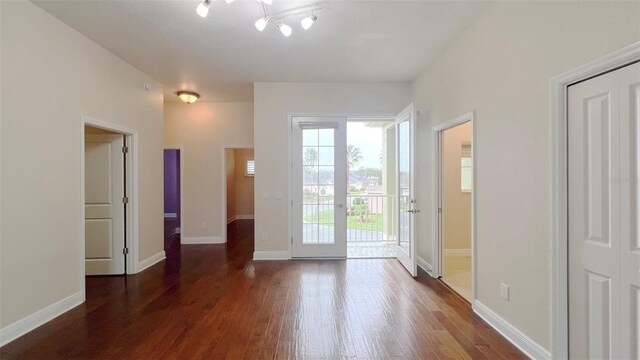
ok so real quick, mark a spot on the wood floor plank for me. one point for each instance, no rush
(214, 302)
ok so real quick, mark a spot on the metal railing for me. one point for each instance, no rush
(370, 218)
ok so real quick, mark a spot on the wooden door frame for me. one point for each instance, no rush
(437, 244)
(180, 149)
(559, 186)
(131, 180)
(224, 184)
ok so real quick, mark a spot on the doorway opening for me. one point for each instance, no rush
(172, 198)
(240, 167)
(371, 188)
(107, 213)
(454, 201)
(353, 195)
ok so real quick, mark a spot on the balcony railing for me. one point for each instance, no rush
(370, 218)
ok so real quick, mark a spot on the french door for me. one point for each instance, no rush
(405, 180)
(604, 216)
(319, 183)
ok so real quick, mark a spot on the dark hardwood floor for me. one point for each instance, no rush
(214, 302)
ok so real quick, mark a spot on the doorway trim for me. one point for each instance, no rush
(131, 179)
(224, 184)
(437, 244)
(559, 190)
(180, 149)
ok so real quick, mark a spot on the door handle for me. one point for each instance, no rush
(340, 205)
(413, 211)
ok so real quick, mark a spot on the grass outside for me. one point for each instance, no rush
(371, 222)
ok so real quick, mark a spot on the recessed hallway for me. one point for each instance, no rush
(213, 301)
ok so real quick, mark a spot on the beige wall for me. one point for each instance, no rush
(456, 204)
(51, 77)
(203, 130)
(500, 67)
(230, 164)
(273, 104)
(243, 184)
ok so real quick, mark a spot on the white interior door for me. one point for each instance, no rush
(319, 184)
(104, 207)
(405, 176)
(604, 242)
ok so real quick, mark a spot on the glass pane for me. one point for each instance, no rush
(309, 137)
(310, 175)
(310, 155)
(309, 233)
(326, 176)
(326, 137)
(326, 156)
(404, 218)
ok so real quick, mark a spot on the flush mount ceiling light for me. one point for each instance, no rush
(203, 8)
(307, 11)
(188, 96)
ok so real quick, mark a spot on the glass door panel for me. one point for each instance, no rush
(405, 175)
(319, 174)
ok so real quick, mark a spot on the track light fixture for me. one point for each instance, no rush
(203, 8)
(308, 21)
(285, 29)
(278, 18)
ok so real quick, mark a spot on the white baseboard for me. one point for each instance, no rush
(244, 217)
(170, 215)
(511, 333)
(271, 255)
(24, 325)
(151, 260)
(457, 252)
(202, 240)
(231, 219)
(424, 265)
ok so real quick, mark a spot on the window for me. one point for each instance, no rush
(250, 169)
(466, 168)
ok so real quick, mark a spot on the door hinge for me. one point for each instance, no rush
(439, 210)
(125, 149)
(125, 200)
(125, 251)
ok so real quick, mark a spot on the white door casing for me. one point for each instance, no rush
(319, 184)
(405, 181)
(604, 246)
(104, 207)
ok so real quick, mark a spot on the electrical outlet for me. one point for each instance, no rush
(504, 291)
(265, 236)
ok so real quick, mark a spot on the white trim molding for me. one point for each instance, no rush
(559, 208)
(244, 217)
(531, 348)
(271, 255)
(457, 252)
(24, 325)
(424, 265)
(187, 240)
(151, 260)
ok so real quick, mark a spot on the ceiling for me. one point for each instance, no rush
(220, 56)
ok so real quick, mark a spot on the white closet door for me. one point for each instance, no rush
(104, 208)
(604, 256)
(630, 210)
